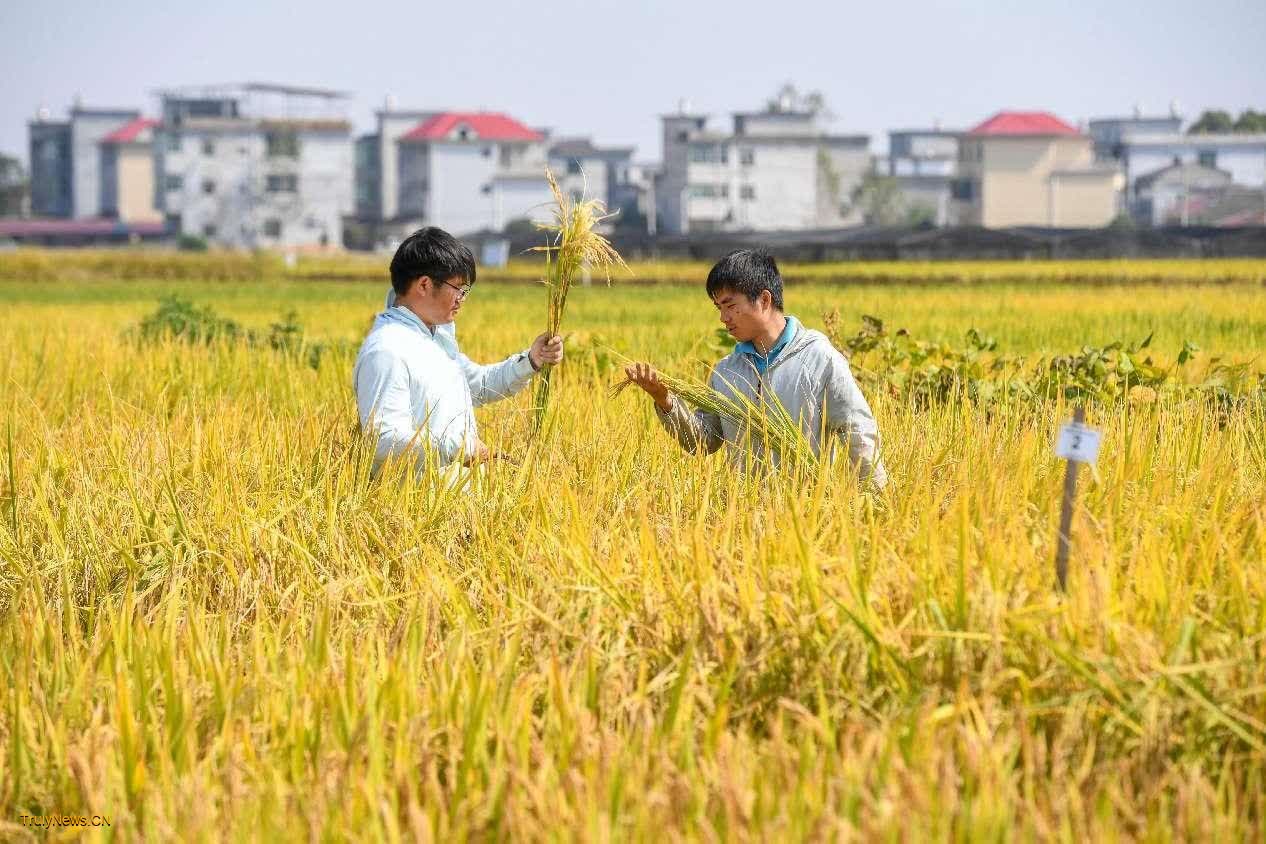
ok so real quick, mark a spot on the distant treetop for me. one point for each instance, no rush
(1217, 121)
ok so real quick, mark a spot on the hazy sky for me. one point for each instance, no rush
(609, 69)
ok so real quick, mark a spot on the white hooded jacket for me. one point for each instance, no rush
(811, 379)
(416, 393)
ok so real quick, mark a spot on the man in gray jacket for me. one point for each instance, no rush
(776, 357)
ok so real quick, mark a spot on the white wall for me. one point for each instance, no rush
(241, 204)
(1245, 163)
(459, 172)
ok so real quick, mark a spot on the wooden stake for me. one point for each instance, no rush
(1066, 513)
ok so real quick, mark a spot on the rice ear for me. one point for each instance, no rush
(571, 244)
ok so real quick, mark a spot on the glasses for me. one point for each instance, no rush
(462, 292)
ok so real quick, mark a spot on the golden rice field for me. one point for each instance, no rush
(213, 627)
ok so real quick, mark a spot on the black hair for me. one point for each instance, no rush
(434, 253)
(747, 271)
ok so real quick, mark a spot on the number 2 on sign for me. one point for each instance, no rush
(1078, 442)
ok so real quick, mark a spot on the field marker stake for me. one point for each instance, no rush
(1077, 444)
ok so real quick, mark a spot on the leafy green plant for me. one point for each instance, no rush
(928, 373)
(181, 320)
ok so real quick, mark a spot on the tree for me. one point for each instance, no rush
(1250, 121)
(879, 199)
(13, 187)
(1212, 122)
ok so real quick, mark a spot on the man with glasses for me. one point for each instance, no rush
(416, 393)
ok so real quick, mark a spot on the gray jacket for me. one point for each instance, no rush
(812, 380)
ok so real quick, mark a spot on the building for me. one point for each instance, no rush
(925, 163)
(127, 173)
(377, 168)
(472, 171)
(1108, 133)
(255, 165)
(66, 160)
(775, 169)
(592, 172)
(1033, 169)
(1242, 156)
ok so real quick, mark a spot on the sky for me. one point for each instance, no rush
(609, 69)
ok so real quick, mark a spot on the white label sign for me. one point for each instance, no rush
(1078, 442)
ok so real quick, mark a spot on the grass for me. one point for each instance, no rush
(212, 627)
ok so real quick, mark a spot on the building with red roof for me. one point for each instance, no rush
(127, 172)
(1022, 124)
(470, 171)
(463, 126)
(1031, 168)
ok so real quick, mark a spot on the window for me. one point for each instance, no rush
(747, 192)
(175, 182)
(208, 146)
(710, 191)
(683, 136)
(573, 166)
(208, 186)
(283, 183)
(963, 189)
(282, 144)
(208, 230)
(709, 154)
(272, 228)
(747, 156)
(1207, 158)
(173, 142)
(486, 152)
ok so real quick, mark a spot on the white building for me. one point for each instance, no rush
(255, 165)
(593, 172)
(776, 169)
(1241, 155)
(472, 171)
(925, 163)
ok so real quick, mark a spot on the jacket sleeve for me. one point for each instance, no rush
(496, 380)
(698, 431)
(848, 416)
(385, 407)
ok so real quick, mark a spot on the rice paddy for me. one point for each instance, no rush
(212, 626)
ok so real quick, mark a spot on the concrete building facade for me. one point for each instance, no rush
(601, 173)
(66, 160)
(255, 165)
(925, 164)
(472, 171)
(127, 173)
(1242, 155)
(1033, 169)
(777, 169)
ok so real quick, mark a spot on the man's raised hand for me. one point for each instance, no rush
(548, 348)
(644, 375)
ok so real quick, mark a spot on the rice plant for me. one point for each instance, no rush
(213, 627)
(574, 246)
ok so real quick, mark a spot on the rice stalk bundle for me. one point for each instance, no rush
(765, 420)
(574, 247)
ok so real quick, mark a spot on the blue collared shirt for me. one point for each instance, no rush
(762, 362)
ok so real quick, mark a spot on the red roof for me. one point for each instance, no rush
(1023, 123)
(483, 126)
(129, 131)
